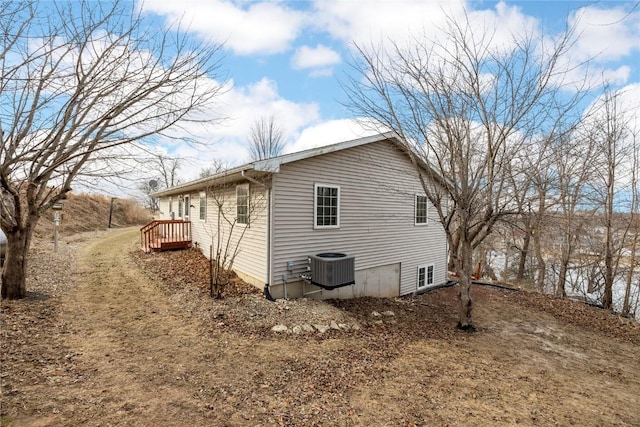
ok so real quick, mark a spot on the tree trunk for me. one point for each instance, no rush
(562, 279)
(541, 267)
(609, 273)
(465, 268)
(607, 296)
(626, 306)
(524, 252)
(14, 271)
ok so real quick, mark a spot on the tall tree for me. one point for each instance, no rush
(467, 104)
(79, 82)
(574, 163)
(163, 173)
(634, 228)
(609, 131)
(266, 138)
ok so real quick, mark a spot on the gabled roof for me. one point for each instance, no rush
(268, 166)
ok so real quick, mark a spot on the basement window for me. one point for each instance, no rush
(425, 276)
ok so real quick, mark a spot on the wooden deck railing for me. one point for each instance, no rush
(160, 235)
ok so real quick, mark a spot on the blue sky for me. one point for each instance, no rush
(286, 58)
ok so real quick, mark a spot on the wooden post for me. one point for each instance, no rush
(111, 211)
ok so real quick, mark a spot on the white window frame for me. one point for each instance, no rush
(170, 205)
(426, 283)
(203, 206)
(180, 207)
(315, 206)
(187, 206)
(415, 210)
(238, 187)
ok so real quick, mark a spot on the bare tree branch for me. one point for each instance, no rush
(470, 107)
(80, 80)
(266, 138)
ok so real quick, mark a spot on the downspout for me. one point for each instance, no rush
(265, 290)
(267, 294)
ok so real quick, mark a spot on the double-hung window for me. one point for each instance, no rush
(187, 207)
(242, 204)
(421, 210)
(180, 208)
(326, 206)
(203, 205)
(425, 276)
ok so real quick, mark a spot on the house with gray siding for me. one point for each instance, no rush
(362, 198)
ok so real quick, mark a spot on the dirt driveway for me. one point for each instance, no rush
(135, 361)
(115, 350)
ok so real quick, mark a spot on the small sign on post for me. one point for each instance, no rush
(57, 207)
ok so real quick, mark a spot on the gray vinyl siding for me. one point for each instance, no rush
(378, 185)
(250, 262)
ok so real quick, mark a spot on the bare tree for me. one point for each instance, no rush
(266, 138)
(634, 219)
(468, 106)
(235, 207)
(81, 81)
(216, 167)
(574, 163)
(163, 171)
(609, 131)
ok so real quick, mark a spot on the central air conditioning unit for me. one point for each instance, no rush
(331, 270)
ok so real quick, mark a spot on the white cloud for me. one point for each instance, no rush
(377, 20)
(246, 28)
(604, 39)
(320, 58)
(606, 34)
(619, 76)
(227, 142)
(327, 133)
(381, 22)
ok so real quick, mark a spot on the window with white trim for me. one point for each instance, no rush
(187, 207)
(242, 204)
(170, 205)
(425, 276)
(421, 210)
(326, 206)
(179, 208)
(203, 205)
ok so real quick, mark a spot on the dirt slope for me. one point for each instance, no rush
(113, 349)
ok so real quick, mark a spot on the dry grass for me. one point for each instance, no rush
(89, 212)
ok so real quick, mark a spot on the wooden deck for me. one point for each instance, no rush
(162, 235)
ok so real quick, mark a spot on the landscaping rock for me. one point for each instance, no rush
(321, 328)
(280, 328)
(307, 327)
